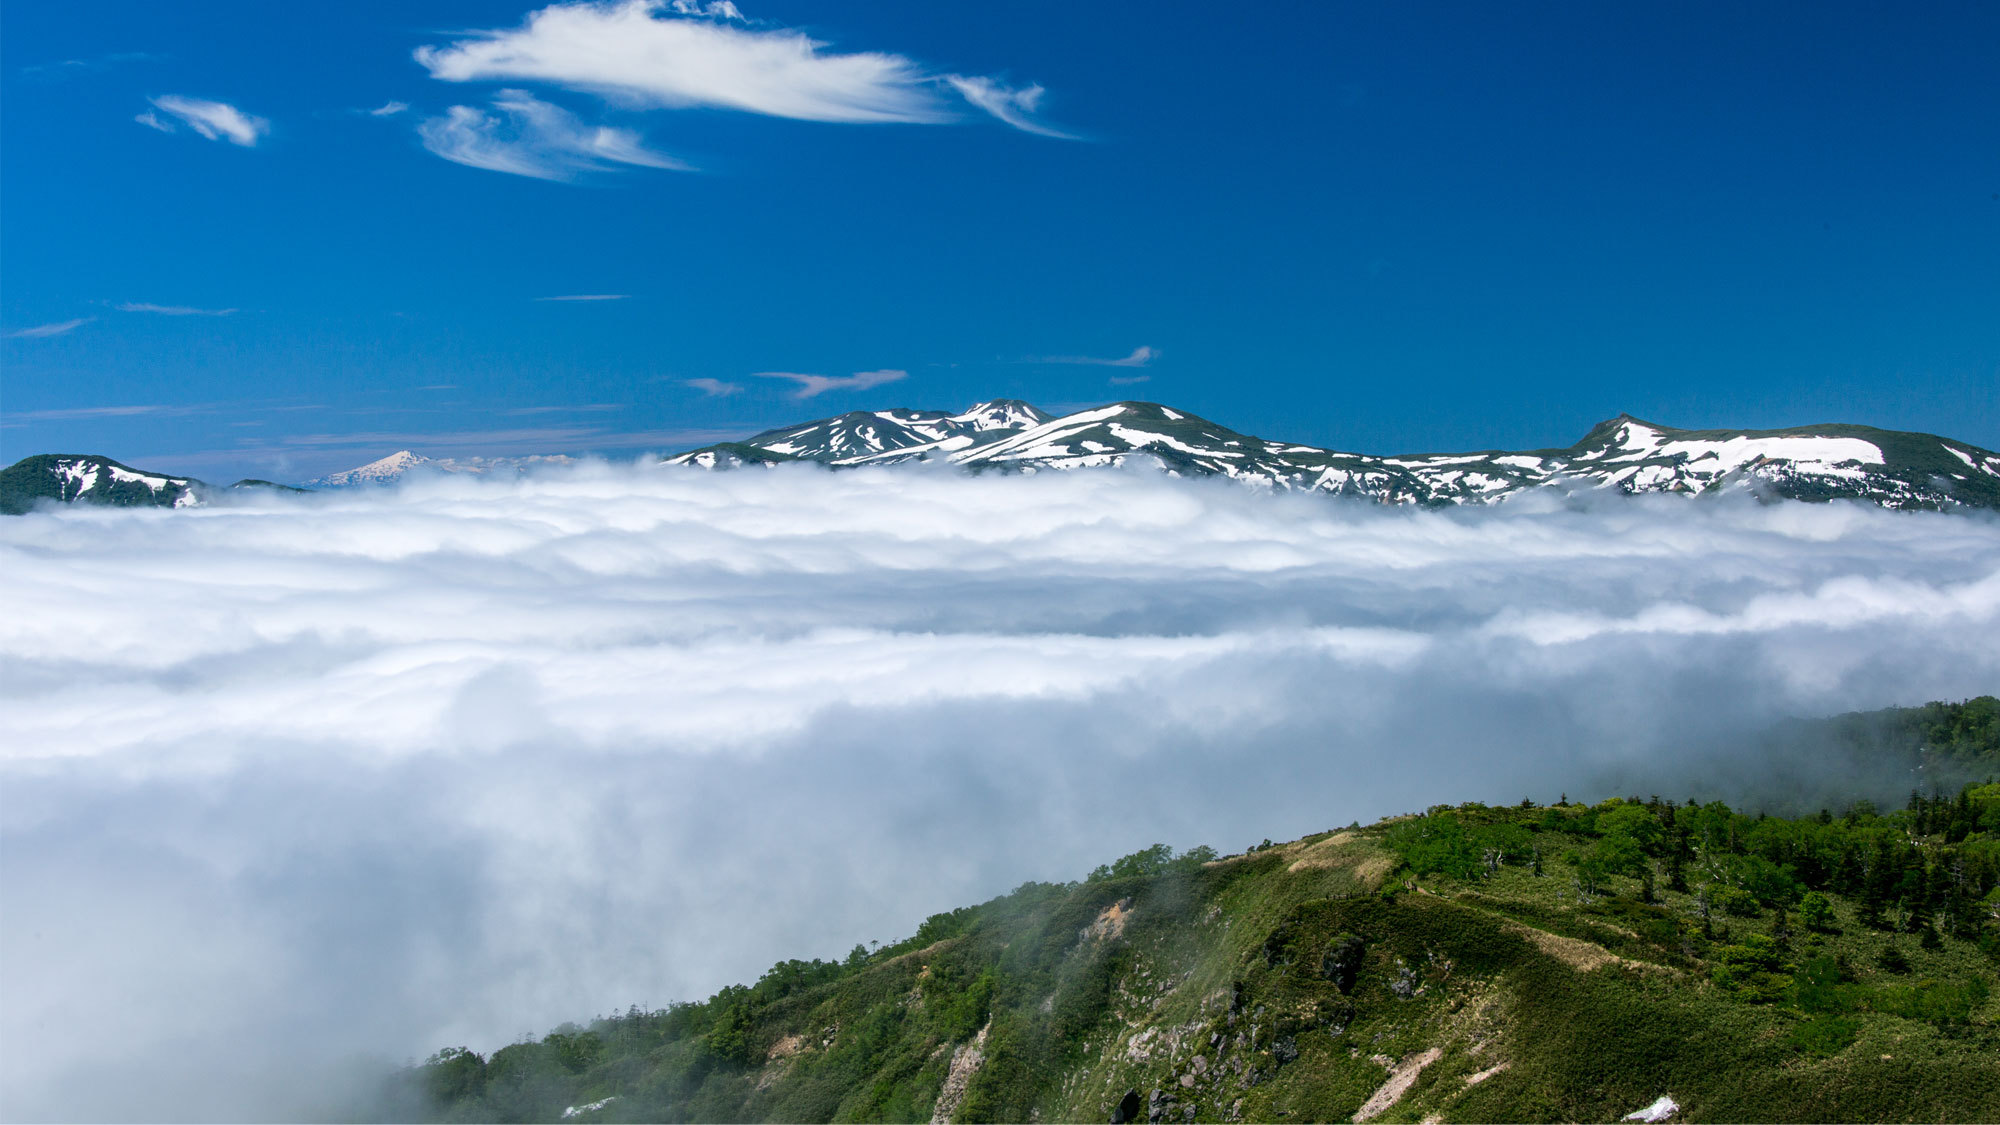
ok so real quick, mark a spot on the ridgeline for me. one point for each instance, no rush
(1636, 958)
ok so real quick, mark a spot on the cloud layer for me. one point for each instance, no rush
(382, 772)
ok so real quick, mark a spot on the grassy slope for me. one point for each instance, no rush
(1210, 984)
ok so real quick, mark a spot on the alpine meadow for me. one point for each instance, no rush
(689, 560)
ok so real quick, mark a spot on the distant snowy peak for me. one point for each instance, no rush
(404, 463)
(90, 479)
(381, 471)
(1623, 454)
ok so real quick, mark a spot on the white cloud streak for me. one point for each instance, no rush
(1141, 356)
(379, 773)
(171, 310)
(713, 388)
(389, 109)
(652, 54)
(67, 68)
(813, 385)
(217, 121)
(580, 408)
(588, 297)
(532, 138)
(1010, 105)
(76, 412)
(44, 331)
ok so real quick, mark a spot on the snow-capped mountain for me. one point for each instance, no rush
(81, 478)
(1888, 467)
(900, 434)
(86, 478)
(403, 463)
(1625, 454)
(380, 471)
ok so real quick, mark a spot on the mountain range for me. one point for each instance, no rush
(1892, 468)
(1626, 454)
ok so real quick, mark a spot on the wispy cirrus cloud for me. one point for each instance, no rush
(68, 68)
(388, 109)
(171, 310)
(44, 331)
(74, 413)
(530, 137)
(680, 55)
(714, 388)
(217, 121)
(1129, 380)
(588, 297)
(1141, 356)
(580, 408)
(810, 386)
(1012, 105)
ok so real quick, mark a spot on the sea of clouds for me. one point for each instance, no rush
(295, 788)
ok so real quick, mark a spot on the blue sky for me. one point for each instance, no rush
(1375, 227)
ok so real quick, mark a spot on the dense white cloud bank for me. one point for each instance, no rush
(295, 782)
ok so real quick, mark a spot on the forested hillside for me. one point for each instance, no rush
(1517, 962)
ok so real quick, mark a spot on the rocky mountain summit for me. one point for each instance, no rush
(1625, 454)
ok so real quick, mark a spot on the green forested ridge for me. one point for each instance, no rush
(1518, 962)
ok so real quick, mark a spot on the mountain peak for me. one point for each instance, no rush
(382, 470)
(1612, 431)
(401, 459)
(1000, 414)
(403, 462)
(89, 478)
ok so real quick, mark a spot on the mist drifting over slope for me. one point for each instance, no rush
(299, 784)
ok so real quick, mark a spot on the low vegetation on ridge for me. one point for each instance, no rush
(1520, 962)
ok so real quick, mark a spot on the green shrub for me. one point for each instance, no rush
(1752, 970)
(1437, 845)
(1824, 1035)
(1734, 900)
